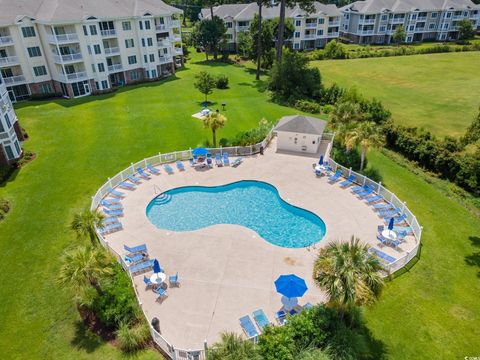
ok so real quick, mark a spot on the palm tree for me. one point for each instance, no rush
(233, 347)
(365, 134)
(344, 113)
(84, 224)
(214, 121)
(85, 266)
(349, 274)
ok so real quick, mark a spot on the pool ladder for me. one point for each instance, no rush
(162, 199)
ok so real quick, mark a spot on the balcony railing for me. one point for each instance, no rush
(115, 68)
(108, 33)
(365, 32)
(398, 20)
(82, 75)
(112, 50)
(62, 38)
(6, 40)
(366, 21)
(334, 23)
(67, 58)
(174, 23)
(309, 36)
(311, 25)
(457, 17)
(14, 79)
(242, 28)
(161, 27)
(177, 37)
(9, 60)
(165, 59)
(178, 51)
(422, 18)
(332, 34)
(163, 43)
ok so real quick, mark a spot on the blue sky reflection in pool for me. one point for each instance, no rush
(252, 204)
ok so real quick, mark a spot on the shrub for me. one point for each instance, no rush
(334, 50)
(327, 109)
(349, 159)
(4, 208)
(132, 338)
(221, 82)
(307, 106)
(252, 136)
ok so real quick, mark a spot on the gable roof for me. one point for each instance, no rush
(301, 124)
(377, 6)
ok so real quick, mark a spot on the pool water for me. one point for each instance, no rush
(252, 204)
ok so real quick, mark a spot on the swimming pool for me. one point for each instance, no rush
(253, 204)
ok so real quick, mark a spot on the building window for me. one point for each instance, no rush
(431, 26)
(409, 39)
(46, 88)
(17, 147)
(230, 36)
(145, 59)
(104, 84)
(150, 42)
(141, 25)
(80, 88)
(9, 152)
(40, 70)
(152, 57)
(97, 84)
(126, 26)
(154, 73)
(297, 34)
(101, 67)
(93, 30)
(134, 75)
(321, 21)
(143, 42)
(2, 129)
(129, 43)
(94, 69)
(229, 25)
(147, 25)
(411, 28)
(382, 28)
(434, 15)
(320, 32)
(384, 17)
(28, 31)
(34, 51)
(449, 15)
(298, 22)
(85, 32)
(132, 60)
(7, 121)
(97, 49)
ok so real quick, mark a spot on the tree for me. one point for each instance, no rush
(465, 30)
(399, 34)
(84, 224)
(214, 121)
(349, 274)
(205, 83)
(233, 347)
(85, 266)
(210, 34)
(472, 135)
(244, 44)
(334, 50)
(365, 134)
(344, 113)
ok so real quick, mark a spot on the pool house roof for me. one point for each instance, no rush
(301, 124)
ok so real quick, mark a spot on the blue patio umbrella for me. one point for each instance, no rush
(390, 224)
(156, 267)
(320, 162)
(200, 151)
(291, 286)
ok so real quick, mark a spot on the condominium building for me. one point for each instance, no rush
(81, 47)
(10, 131)
(312, 30)
(375, 21)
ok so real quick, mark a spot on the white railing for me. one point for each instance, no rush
(14, 79)
(178, 51)
(242, 28)
(115, 68)
(110, 32)
(67, 58)
(163, 43)
(5, 40)
(332, 34)
(366, 21)
(165, 59)
(174, 23)
(76, 76)
(9, 60)
(63, 38)
(334, 23)
(161, 27)
(366, 32)
(311, 25)
(398, 20)
(177, 37)
(309, 36)
(112, 50)
(200, 354)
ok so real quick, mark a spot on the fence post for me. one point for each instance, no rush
(160, 158)
(133, 170)
(144, 163)
(110, 182)
(174, 356)
(349, 172)
(251, 150)
(364, 180)
(205, 347)
(403, 206)
(221, 154)
(379, 187)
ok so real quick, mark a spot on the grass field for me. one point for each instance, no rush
(432, 311)
(437, 91)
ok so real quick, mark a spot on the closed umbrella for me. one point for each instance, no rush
(390, 224)
(320, 162)
(156, 267)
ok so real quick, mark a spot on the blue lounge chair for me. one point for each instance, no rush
(382, 240)
(281, 316)
(348, 182)
(162, 293)
(136, 249)
(385, 257)
(192, 163)
(218, 159)
(261, 319)
(168, 169)
(141, 267)
(115, 193)
(118, 212)
(389, 213)
(248, 326)
(134, 179)
(358, 189)
(110, 220)
(127, 185)
(237, 161)
(135, 258)
(153, 169)
(335, 177)
(226, 159)
(373, 199)
(107, 229)
(365, 193)
(407, 229)
(382, 206)
(380, 228)
(209, 161)
(173, 280)
(328, 169)
(112, 200)
(111, 206)
(143, 174)
(180, 165)
(400, 218)
(293, 312)
(147, 281)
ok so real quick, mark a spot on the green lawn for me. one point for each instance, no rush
(428, 312)
(437, 91)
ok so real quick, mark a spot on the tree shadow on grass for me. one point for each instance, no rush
(260, 85)
(85, 339)
(212, 63)
(474, 259)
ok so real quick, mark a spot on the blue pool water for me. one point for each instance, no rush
(253, 204)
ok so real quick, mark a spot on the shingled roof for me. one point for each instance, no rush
(377, 6)
(301, 124)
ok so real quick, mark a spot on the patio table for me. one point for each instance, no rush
(158, 278)
(389, 234)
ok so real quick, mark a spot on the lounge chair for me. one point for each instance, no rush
(173, 280)
(107, 229)
(152, 169)
(380, 228)
(248, 326)
(400, 218)
(209, 162)
(281, 316)
(293, 312)
(261, 319)
(218, 159)
(226, 159)
(237, 161)
(383, 206)
(168, 169)
(118, 212)
(162, 293)
(386, 258)
(373, 199)
(116, 193)
(180, 165)
(136, 249)
(143, 174)
(135, 258)
(127, 185)
(110, 220)
(348, 182)
(358, 189)
(192, 163)
(335, 177)
(111, 206)
(389, 213)
(134, 179)
(365, 193)
(147, 282)
(407, 229)
(141, 267)
(112, 200)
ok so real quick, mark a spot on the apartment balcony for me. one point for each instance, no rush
(366, 21)
(112, 50)
(6, 40)
(177, 37)
(311, 25)
(82, 75)
(108, 33)
(333, 34)
(163, 43)
(63, 38)
(366, 32)
(9, 60)
(398, 20)
(14, 80)
(310, 36)
(115, 68)
(457, 17)
(178, 51)
(174, 23)
(334, 23)
(161, 27)
(241, 28)
(422, 18)
(67, 58)
(165, 59)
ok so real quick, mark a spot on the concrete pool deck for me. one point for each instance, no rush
(228, 271)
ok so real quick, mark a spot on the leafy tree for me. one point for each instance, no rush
(85, 266)
(205, 83)
(334, 50)
(399, 34)
(344, 113)
(276, 342)
(349, 274)
(210, 34)
(472, 134)
(214, 121)
(313, 354)
(365, 134)
(233, 347)
(465, 30)
(244, 44)
(84, 224)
